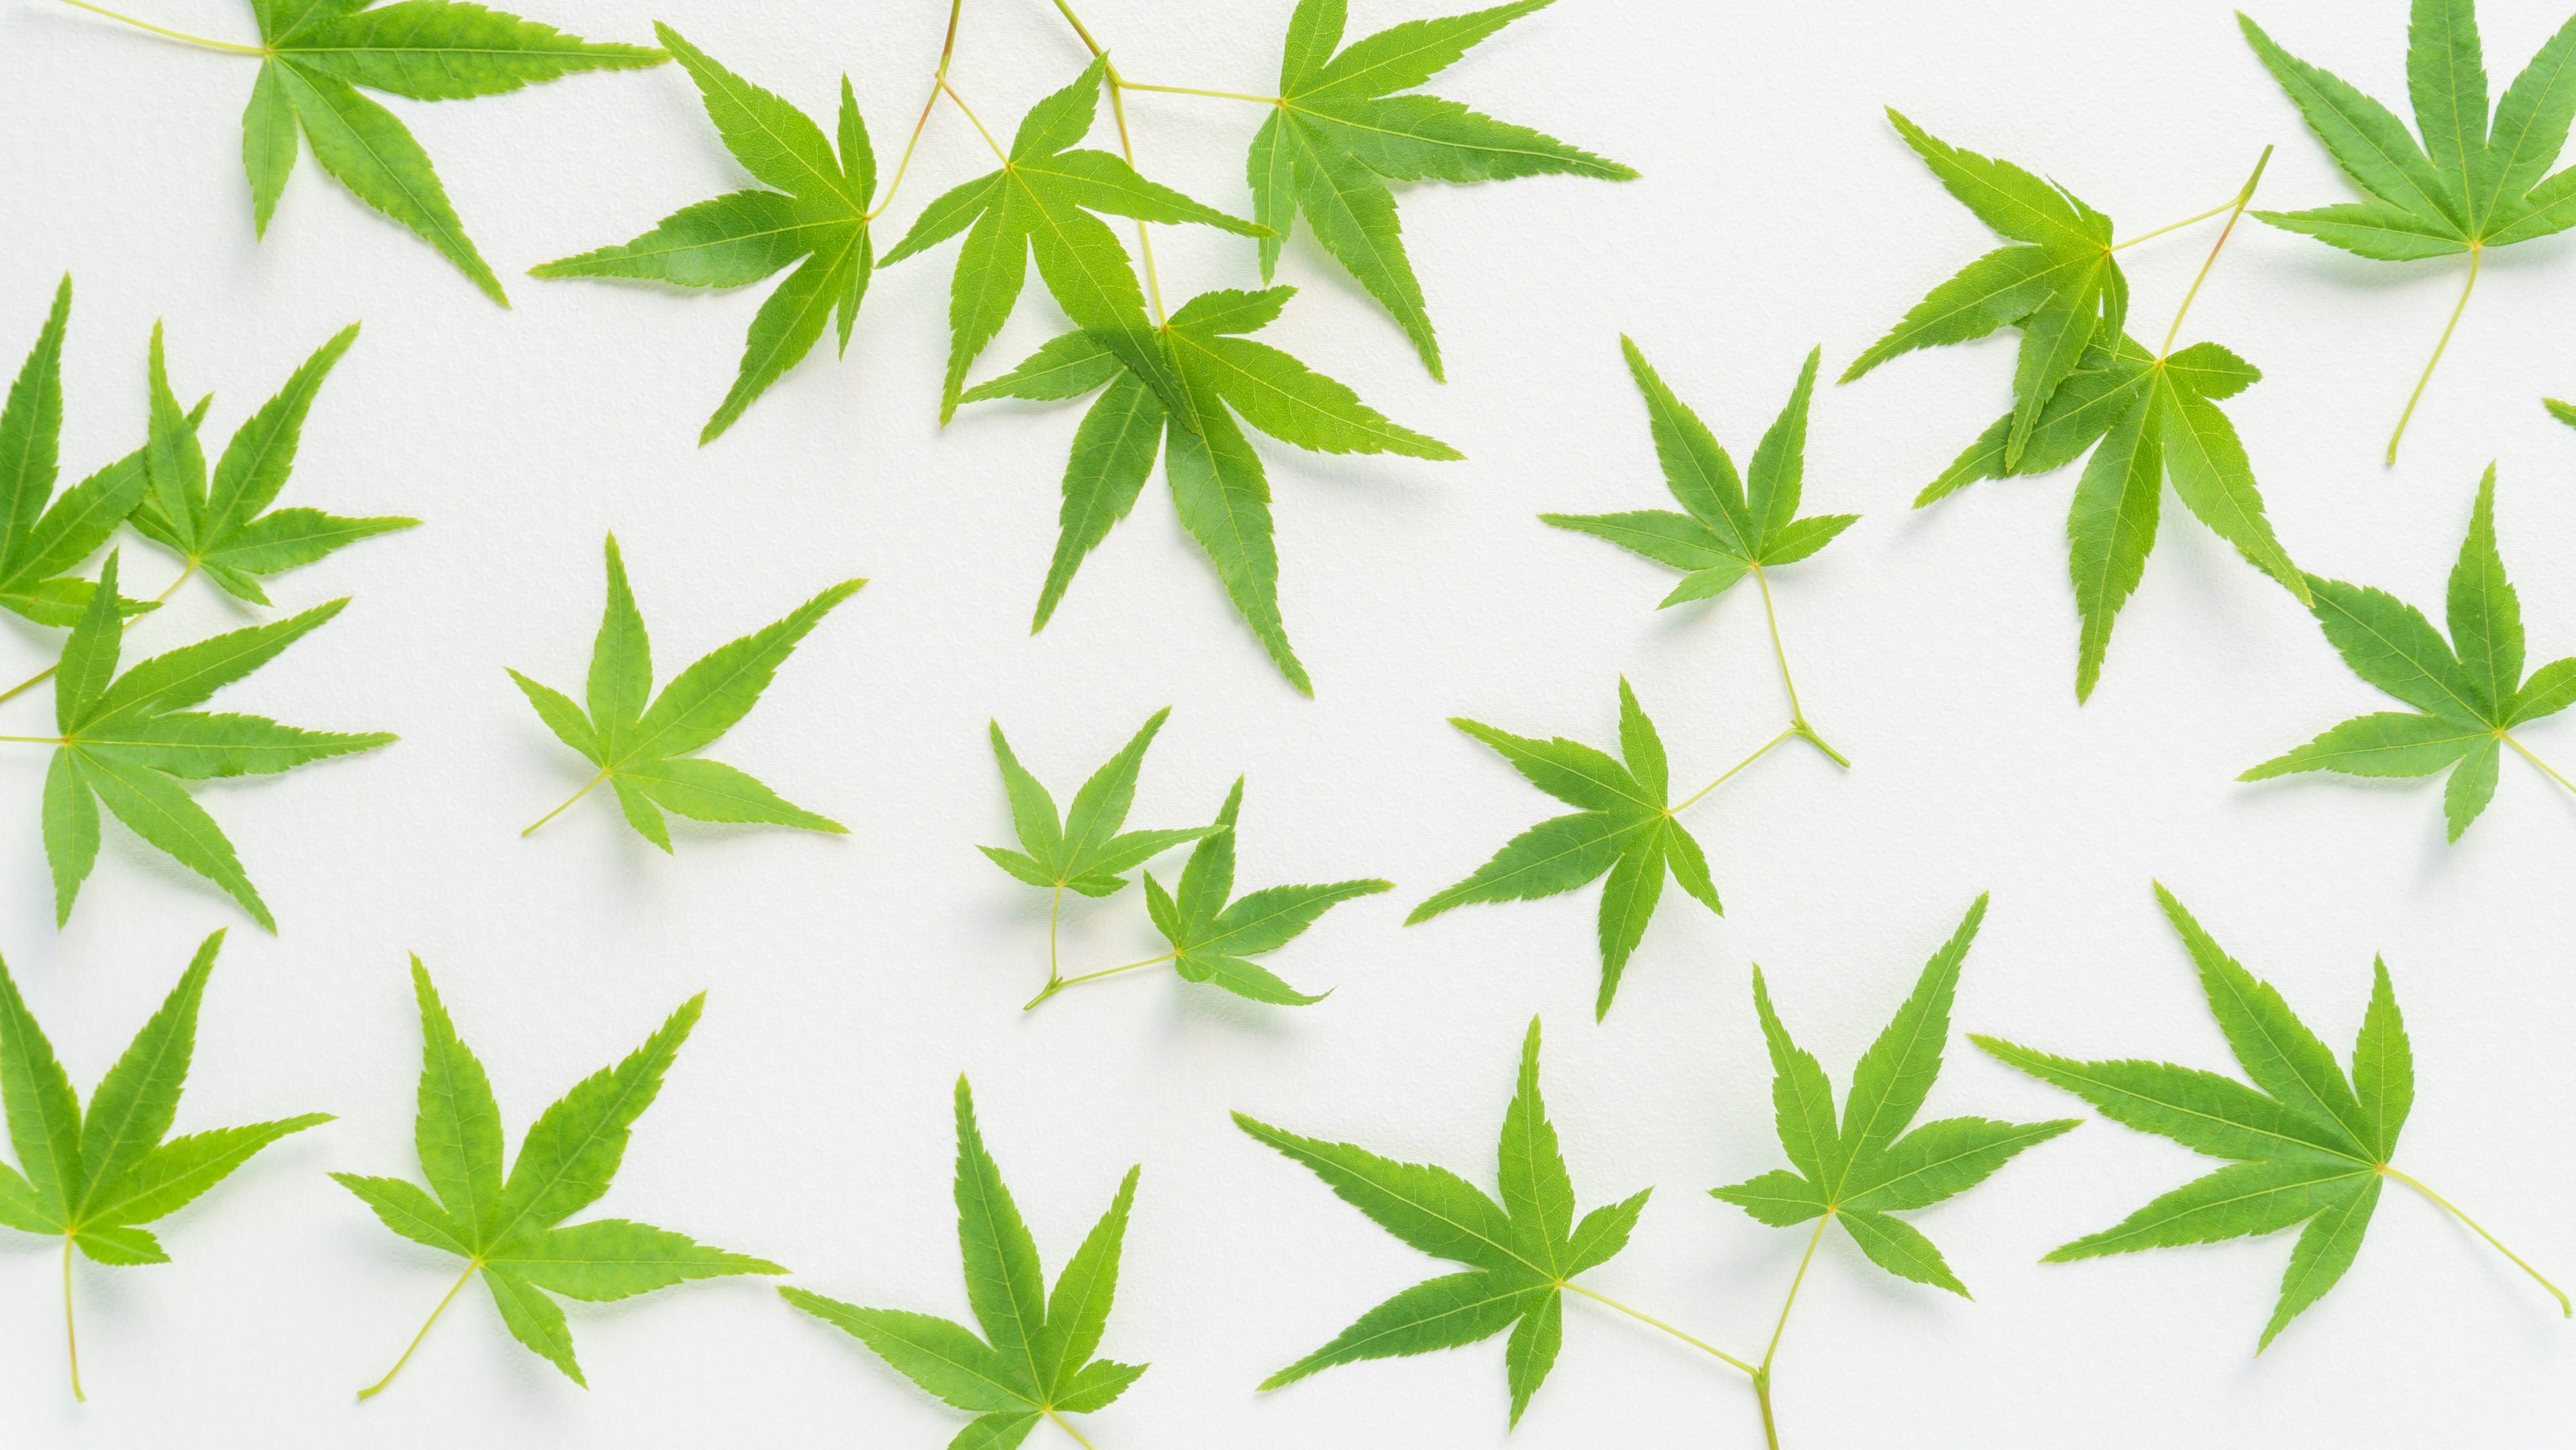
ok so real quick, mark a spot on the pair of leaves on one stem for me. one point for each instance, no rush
(2472, 181)
(131, 740)
(96, 1178)
(641, 741)
(2468, 692)
(1523, 1252)
(1037, 1358)
(511, 1230)
(2081, 381)
(1084, 850)
(2306, 1144)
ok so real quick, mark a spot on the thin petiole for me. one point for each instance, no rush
(1789, 733)
(1055, 911)
(1066, 1426)
(378, 1387)
(33, 739)
(1813, 1239)
(938, 83)
(2236, 210)
(567, 805)
(1061, 983)
(2564, 1307)
(2171, 227)
(998, 152)
(2477, 254)
(71, 1335)
(1797, 717)
(1692, 1341)
(1195, 91)
(2525, 754)
(167, 33)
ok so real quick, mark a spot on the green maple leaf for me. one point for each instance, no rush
(1180, 390)
(511, 1231)
(2468, 185)
(2155, 416)
(2305, 1144)
(1623, 826)
(131, 739)
(1037, 1357)
(1042, 200)
(816, 218)
(95, 1179)
(2468, 692)
(1859, 1173)
(315, 55)
(643, 751)
(225, 529)
(1728, 530)
(2058, 282)
(1211, 939)
(1339, 134)
(43, 538)
(1520, 1254)
(1084, 850)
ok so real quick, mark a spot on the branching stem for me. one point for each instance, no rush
(1126, 148)
(2519, 749)
(2563, 1307)
(1762, 1376)
(71, 1335)
(2172, 226)
(2236, 209)
(2477, 254)
(378, 1387)
(567, 805)
(999, 154)
(938, 83)
(1061, 983)
(1797, 717)
(1691, 1340)
(169, 34)
(1767, 745)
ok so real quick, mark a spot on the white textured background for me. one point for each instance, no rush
(851, 979)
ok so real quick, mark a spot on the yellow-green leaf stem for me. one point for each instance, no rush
(2525, 753)
(1060, 983)
(567, 805)
(2477, 254)
(2229, 205)
(167, 33)
(1762, 1376)
(1797, 717)
(371, 1391)
(1790, 733)
(47, 673)
(1127, 149)
(938, 85)
(1648, 1319)
(2237, 210)
(978, 120)
(2564, 1308)
(71, 1335)
(1066, 1426)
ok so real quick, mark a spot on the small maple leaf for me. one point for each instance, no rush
(130, 739)
(1037, 1357)
(314, 55)
(2466, 186)
(1339, 134)
(1084, 850)
(816, 218)
(1041, 200)
(43, 538)
(95, 1179)
(1520, 1253)
(1729, 529)
(1179, 391)
(2469, 692)
(226, 530)
(643, 751)
(1857, 1174)
(1624, 826)
(511, 1231)
(1211, 938)
(2306, 1144)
